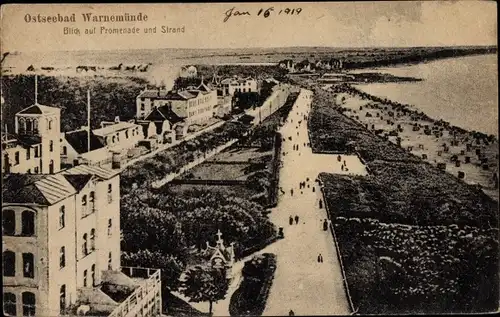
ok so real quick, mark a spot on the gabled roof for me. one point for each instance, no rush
(204, 87)
(36, 189)
(79, 141)
(164, 113)
(101, 172)
(78, 181)
(40, 109)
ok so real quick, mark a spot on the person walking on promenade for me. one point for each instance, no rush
(291, 191)
(320, 258)
(320, 204)
(345, 163)
(291, 313)
(296, 219)
(290, 220)
(342, 167)
(314, 189)
(325, 225)
(339, 158)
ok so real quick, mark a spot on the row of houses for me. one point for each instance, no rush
(308, 66)
(61, 227)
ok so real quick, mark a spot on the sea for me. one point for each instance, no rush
(462, 91)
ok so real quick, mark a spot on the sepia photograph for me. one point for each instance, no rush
(250, 159)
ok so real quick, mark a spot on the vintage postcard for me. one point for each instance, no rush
(247, 159)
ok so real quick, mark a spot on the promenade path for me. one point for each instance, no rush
(301, 283)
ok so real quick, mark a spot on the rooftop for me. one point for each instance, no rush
(36, 189)
(101, 172)
(79, 141)
(164, 113)
(113, 128)
(40, 109)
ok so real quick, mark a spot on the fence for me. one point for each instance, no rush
(339, 255)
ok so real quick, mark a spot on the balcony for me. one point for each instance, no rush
(130, 292)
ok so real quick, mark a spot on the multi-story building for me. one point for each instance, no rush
(61, 248)
(193, 104)
(34, 148)
(120, 135)
(229, 86)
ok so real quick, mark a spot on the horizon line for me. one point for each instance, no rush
(260, 48)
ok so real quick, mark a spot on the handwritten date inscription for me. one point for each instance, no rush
(262, 12)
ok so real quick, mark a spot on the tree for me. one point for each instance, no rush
(203, 284)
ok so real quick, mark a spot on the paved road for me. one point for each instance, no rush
(301, 283)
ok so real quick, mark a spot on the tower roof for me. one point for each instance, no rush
(40, 109)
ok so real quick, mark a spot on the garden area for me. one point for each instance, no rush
(251, 296)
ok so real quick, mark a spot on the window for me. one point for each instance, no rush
(110, 225)
(126, 134)
(65, 150)
(9, 263)
(62, 257)
(92, 240)
(9, 222)
(85, 278)
(29, 125)
(28, 265)
(29, 304)
(62, 299)
(84, 205)
(29, 170)
(36, 169)
(37, 154)
(35, 126)
(22, 125)
(9, 304)
(143, 107)
(92, 275)
(28, 153)
(109, 261)
(85, 251)
(51, 146)
(110, 193)
(16, 158)
(50, 124)
(28, 223)
(92, 201)
(51, 167)
(62, 217)
(114, 139)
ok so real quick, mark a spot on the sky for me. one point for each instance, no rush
(333, 24)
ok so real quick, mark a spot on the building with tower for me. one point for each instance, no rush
(219, 256)
(61, 231)
(35, 146)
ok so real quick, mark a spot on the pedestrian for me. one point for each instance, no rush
(296, 219)
(291, 192)
(314, 189)
(339, 158)
(325, 225)
(301, 192)
(308, 186)
(345, 163)
(342, 167)
(291, 313)
(290, 220)
(320, 204)
(307, 179)
(320, 258)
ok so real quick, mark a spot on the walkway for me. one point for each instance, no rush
(301, 283)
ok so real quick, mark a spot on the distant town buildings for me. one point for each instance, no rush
(307, 66)
(230, 86)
